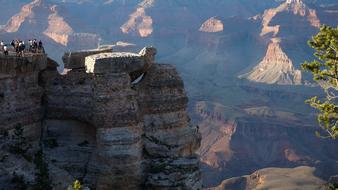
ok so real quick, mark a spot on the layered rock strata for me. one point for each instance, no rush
(275, 68)
(170, 146)
(124, 115)
(20, 93)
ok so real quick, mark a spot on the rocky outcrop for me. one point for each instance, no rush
(139, 22)
(212, 25)
(275, 68)
(58, 29)
(239, 140)
(15, 22)
(76, 60)
(275, 178)
(169, 144)
(99, 123)
(296, 7)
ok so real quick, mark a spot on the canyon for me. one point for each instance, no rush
(248, 123)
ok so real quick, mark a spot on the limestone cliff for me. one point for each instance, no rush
(275, 68)
(117, 120)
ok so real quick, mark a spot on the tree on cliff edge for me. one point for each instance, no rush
(325, 72)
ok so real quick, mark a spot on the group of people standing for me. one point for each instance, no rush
(20, 47)
(3, 47)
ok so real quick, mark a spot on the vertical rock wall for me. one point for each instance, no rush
(20, 93)
(170, 143)
(119, 130)
(135, 133)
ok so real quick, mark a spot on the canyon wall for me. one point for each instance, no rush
(118, 119)
(20, 93)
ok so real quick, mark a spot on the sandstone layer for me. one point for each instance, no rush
(108, 129)
(275, 68)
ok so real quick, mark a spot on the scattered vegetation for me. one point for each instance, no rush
(76, 186)
(331, 186)
(325, 72)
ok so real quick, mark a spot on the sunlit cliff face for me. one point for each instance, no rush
(58, 29)
(34, 13)
(275, 68)
(139, 22)
(26, 12)
(296, 7)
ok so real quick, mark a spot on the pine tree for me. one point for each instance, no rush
(325, 72)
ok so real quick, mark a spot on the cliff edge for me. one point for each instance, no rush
(116, 120)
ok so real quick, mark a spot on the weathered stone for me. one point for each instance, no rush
(20, 93)
(75, 60)
(116, 62)
(104, 129)
(168, 137)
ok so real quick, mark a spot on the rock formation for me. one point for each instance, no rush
(252, 138)
(139, 22)
(296, 7)
(20, 93)
(212, 25)
(275, 178)
(41, 17)
(15, 22)
(112, 131)
(58, 29)
(275, 68)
